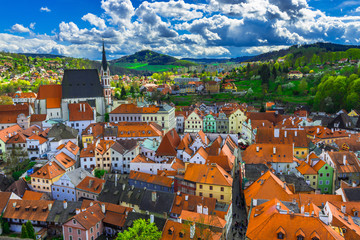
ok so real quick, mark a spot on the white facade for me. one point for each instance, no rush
(193, 123)
(180, 120)
(35, 149)
(150, 167)
(121, 162)
(88, 162)
(80, 125)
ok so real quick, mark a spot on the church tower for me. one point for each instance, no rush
(105, 78)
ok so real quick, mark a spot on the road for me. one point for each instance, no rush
(239, 222)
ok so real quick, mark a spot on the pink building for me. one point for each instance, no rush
(87, 224)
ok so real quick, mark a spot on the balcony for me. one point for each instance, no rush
(33, 148)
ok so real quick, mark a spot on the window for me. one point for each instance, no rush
(70, 229)
(222, 197)
(327, 182)
(210, 187)
(326, 189)
(314, 177)
(222, 189)
(328, 174)
(321, 182)
(321, 174)
(91, 230)
(79, 231)
(200, 194)
(200, 186)
(210, 195)
(300, 238)
(280, 235)
(70, 238)
(97, 226)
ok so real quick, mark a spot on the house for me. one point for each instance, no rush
(65, 162)
(60, 212)
(163, 115)
(5, 135)
(103, 154)
(341, 121)
(346, 166)
(229, 87)
(86, 224)
(222, 123)
(122, 152)
(48, 101)
(209, 122)
(274, 219)
(89, 188)
(321, 134)
(138, 130)
(212, 222)
(19, 212)
(151, 182)
(15, 114)
(70, 149)
(236, 120)
(64, 188)
(279, 156)
(24, 97)
(295, 75)
(208, 181)
(42, 179)
(5, 197)
(309, 173)
(18, 187)
(60, 134)
(87, 157)
(212, 87)
(194, 122)
(178, 230)
(80, 116)
(31, 195)
(349, 192)
(325, 174)
(157, 203)
(37, 119)
(37, 146)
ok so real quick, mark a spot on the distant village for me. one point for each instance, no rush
(78, 163)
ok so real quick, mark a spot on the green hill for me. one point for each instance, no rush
(149, 61)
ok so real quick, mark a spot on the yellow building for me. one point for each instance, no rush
(43, 178)
(212, 87)
(211, 181)
(103, 154)
(236, 120)
(194, 122)
(309, 174)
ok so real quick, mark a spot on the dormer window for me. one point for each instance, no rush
(74, 221)
(299, 237)
(280, 235)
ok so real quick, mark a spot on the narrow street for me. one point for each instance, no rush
(239, 222)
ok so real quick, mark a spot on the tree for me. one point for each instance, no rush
(24, 233)
(264, 73)
(303, 86)
(5, 100)
(123, 92)
(274, 72)
(30, 229)
(6, 228)
(141, 230)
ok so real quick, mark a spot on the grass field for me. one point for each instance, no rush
(147, 67)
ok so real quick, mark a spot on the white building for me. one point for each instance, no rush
(122, 153)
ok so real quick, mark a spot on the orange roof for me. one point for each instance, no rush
(185, 142)
(306, 169)
(48, 171)
(138, 129)
(345, 162)
(168, 144)
(322, 133)
(37, 117)
(201, 151)
(91, 184)
(319, 165)
(18, 138)
(222, 160)
(141, 159)
(190, 202)
(24, 95)
(268, 186)
(71, 147)
(49, 91)
(75, 114)
(64, 160)
(88, 152)
(266, 221)
(10, 113)
(207, 174)
(38, 138)
(264, 153)
(89, 217)
(209, 220)
(5, 134)
(53, 103)
(268, 135)
(150, 178)
(104, 145)
(132, 108)
(261, 123)
(175, 230)
(33, 210)
(31, 195)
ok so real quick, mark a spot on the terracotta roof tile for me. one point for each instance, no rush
(207, 174)
(208, 220)
(38, 138)
(90, 216)
(64, 160)
(9, 113)
(37, 117)
(190, 202)
(151, 178)
(168, 144)
(33, 210)
(91, 184)
(306, 169)
(48, 171)
(31, 195)
(264, 153)
(75, 114)
(7, 133)
(132, 108)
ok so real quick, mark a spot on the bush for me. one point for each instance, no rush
(99, 173)
(6, 228)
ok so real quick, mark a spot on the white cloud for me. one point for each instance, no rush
(32, 25)
(120, 11)
(19, 28)
(94, 20)
(45, 9)
(264, 49)
(357, 9)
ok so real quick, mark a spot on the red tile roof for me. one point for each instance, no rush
(91, 184)
(151, 178)
(132, 108)
(10, 113)
(48, 171)
(89, 217)
(207, 174)
(33, 210)
(85, 114)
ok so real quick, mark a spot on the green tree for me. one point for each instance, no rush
(6, 228)
(141, 230)
(303, 86)
(264, 73)
(24, 233)
(5, 100)
(123, 92)
(30, 229)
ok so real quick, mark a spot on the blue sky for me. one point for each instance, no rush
(182, 28)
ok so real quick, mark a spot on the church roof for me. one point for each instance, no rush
(81, 83)
(104, 62)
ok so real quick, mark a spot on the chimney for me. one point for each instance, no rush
(85, 145)
(285, 134)
(278, 207)
(302, 209)
(151, 218)
(178, 193)
(91, 183)
(205, 210)
(276, 132)
(257, 148)
(199, 208)
(295, 133)
(90, 130)
(344, 159)
(317, 130)
(262, 173)
(254, 202)
(284, 185)
(91, 203)
(123, 186)
(65, 204)
(153, 196)
(77, 211)
(192, 231)
(50, 206)
(274, 150)
(80, 107)
(103, 208)
(354, 184)
(186, 197)
(343, 208)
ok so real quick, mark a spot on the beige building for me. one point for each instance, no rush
(163, 115)
(103, 154)
(236, 121)
(194, 122)
(43, 178)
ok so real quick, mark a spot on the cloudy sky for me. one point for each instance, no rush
(183, 28)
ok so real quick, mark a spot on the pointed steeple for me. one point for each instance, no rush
(104, 62)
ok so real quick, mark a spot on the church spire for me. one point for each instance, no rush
(104, 62)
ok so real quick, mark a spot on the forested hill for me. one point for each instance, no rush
(151, 58)
(303, 50)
